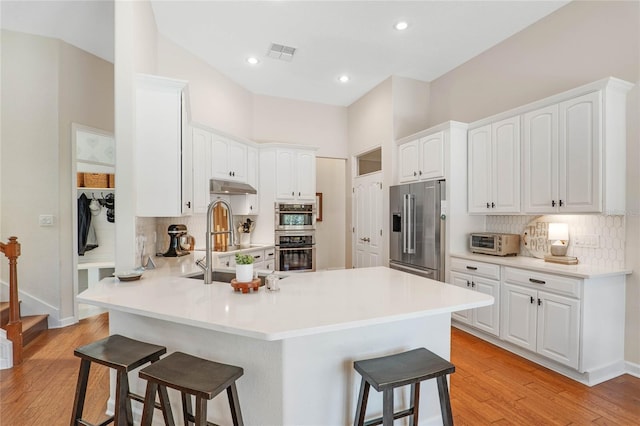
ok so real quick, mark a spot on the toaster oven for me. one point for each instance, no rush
(494, 243)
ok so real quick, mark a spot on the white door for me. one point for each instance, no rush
(519, 316)
(306, 175)
(219, 158)
(480, 170)
(432, 156)
(201, 149)
(558, 328)
(367, 221)
(237, 157)
(579, 171)
(540, 160)
(505, 177)
(408, 155)
(488, 318)
(462, 281)
(285, 175)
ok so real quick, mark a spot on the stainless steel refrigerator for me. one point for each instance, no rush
(417, 231)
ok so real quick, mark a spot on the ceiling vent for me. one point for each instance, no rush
(279, 51)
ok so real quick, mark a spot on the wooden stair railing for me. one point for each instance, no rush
(14, 328)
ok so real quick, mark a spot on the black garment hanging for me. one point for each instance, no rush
(85, 242)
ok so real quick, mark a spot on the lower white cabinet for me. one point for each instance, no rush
(484, 278)
(542, 322)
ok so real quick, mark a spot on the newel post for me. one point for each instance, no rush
(14, 328)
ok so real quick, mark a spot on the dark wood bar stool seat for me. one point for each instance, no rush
(123, 355)
(195, 376)
(406, 368)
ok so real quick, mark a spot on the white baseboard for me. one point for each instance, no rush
(633, 369)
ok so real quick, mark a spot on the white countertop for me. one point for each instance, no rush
(534, 264)
(307, 303)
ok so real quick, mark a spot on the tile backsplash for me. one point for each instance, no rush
(610, 247)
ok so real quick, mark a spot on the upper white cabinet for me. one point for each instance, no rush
(574, 150)
(494, 167)
(248, 204)
(163, 157)
(422, 158)
(229, 161)
(201, 148)
(295, 175)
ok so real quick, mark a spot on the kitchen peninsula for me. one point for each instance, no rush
(296, 345)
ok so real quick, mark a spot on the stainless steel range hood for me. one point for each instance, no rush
(217, 186)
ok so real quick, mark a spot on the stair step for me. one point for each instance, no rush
(4, 313)
(32, 326)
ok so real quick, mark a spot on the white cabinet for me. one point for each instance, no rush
(574, 151)
(484, 278)
(494, 167)
(229, 159)
(422, 159)
(248, 204)
(201, 149)
(163, 159)
(295, 175)
(543, 321)
(562, 157)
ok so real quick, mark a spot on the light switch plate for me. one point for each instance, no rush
(45, 220)
(587, 240)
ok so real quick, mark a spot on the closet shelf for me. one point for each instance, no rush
(84, 188)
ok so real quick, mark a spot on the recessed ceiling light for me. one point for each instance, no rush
(252, 60)
(402, 25)
(343, 78)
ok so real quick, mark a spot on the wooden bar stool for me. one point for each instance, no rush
(123, 355)
(190, 375)
(406, 368)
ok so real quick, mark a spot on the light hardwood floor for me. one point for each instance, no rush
(490, 386)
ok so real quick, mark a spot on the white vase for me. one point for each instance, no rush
(245, 240)
(244, 273)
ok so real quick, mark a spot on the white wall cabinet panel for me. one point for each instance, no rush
(574, 152)
(494, 167)
(295, 175)
(163, 157)
(229, 160)
(422, 159)
(201, 149)
(248, 204)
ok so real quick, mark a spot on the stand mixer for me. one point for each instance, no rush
(176, 232)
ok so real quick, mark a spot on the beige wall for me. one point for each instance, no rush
(410, 106)
(46, 85)
(304, 123)
(580, 43)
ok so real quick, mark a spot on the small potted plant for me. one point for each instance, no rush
(244, 268)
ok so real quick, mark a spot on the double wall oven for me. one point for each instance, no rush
(295, 237)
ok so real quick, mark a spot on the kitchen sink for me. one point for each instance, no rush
(227, 276)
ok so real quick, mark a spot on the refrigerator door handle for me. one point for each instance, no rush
(410, 234)
(404, 223)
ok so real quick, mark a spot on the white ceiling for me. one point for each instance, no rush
(331, 37)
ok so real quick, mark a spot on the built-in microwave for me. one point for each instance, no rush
(494, 243)
(295, 217)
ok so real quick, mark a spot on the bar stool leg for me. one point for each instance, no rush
(123, 403)
(149, 399)
(81, 391)
(234, 404)
(201, 411)
(361, 409)
(387, 407)
(445, 403)
(165, 406)
(187, 410)
(415, 403)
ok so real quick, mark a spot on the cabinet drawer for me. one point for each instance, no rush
(542, 281)
(488, 270)
(258, 255)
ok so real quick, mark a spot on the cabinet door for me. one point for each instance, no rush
(558, 328)
(505, 174)
(432, 156)
(201, 150)
(408, 156)
(306, 175)
(579, 159)
(248, 204)
(519, 315)
(285, 177)
(220, 158)
(159, 141)
(487, 318)
(237, 157)
(479, 167)
(540, 160)
(463, 281)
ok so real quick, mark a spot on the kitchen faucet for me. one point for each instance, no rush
(208, 267)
